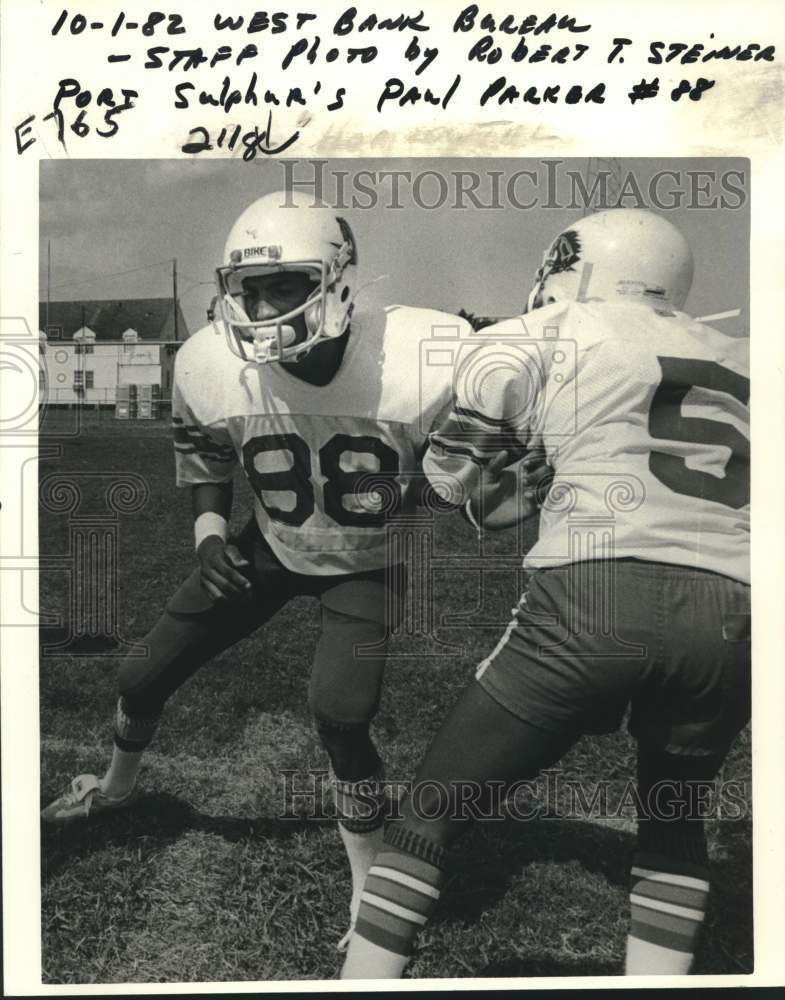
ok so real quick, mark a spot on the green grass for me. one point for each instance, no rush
(204, 881)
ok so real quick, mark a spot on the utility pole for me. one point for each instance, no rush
(48, 282)
(174, 297)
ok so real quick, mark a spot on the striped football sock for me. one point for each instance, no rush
(668, 901)
(401, 893)
(131, 738)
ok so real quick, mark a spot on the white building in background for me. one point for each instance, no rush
(91, 373)
(88, 349)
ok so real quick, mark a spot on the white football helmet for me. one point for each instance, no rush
(622, 253)
(286, 232)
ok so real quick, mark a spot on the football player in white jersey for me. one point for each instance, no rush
(638, 591)
(327, 413)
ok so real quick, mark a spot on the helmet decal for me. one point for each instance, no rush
(622, 253)
(565, 252)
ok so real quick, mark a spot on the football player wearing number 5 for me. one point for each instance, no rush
(638, 593)
(326, 412)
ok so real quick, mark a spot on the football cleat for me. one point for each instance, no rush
(83, 798)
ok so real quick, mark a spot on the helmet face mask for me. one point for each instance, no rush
(273, 238)
(629, 255)
(286, 331)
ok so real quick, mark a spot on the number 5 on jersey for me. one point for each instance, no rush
(668, 422)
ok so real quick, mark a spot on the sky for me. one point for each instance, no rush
(114, 226)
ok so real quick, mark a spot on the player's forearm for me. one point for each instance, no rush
(212, 507)
(212, 497)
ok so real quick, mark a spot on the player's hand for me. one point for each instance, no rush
(497, 483)
(220, 564)
(507, 494)
(534, 479)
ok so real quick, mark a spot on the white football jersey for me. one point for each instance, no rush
(644, 417)
(327, 464)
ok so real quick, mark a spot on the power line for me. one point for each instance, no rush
(195, 284)
(111, 274)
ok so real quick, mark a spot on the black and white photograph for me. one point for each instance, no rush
(309, 433)
(391, 485)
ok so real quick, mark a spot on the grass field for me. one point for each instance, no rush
(207, 880)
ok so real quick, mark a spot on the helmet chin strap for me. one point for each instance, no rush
(533, 296)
